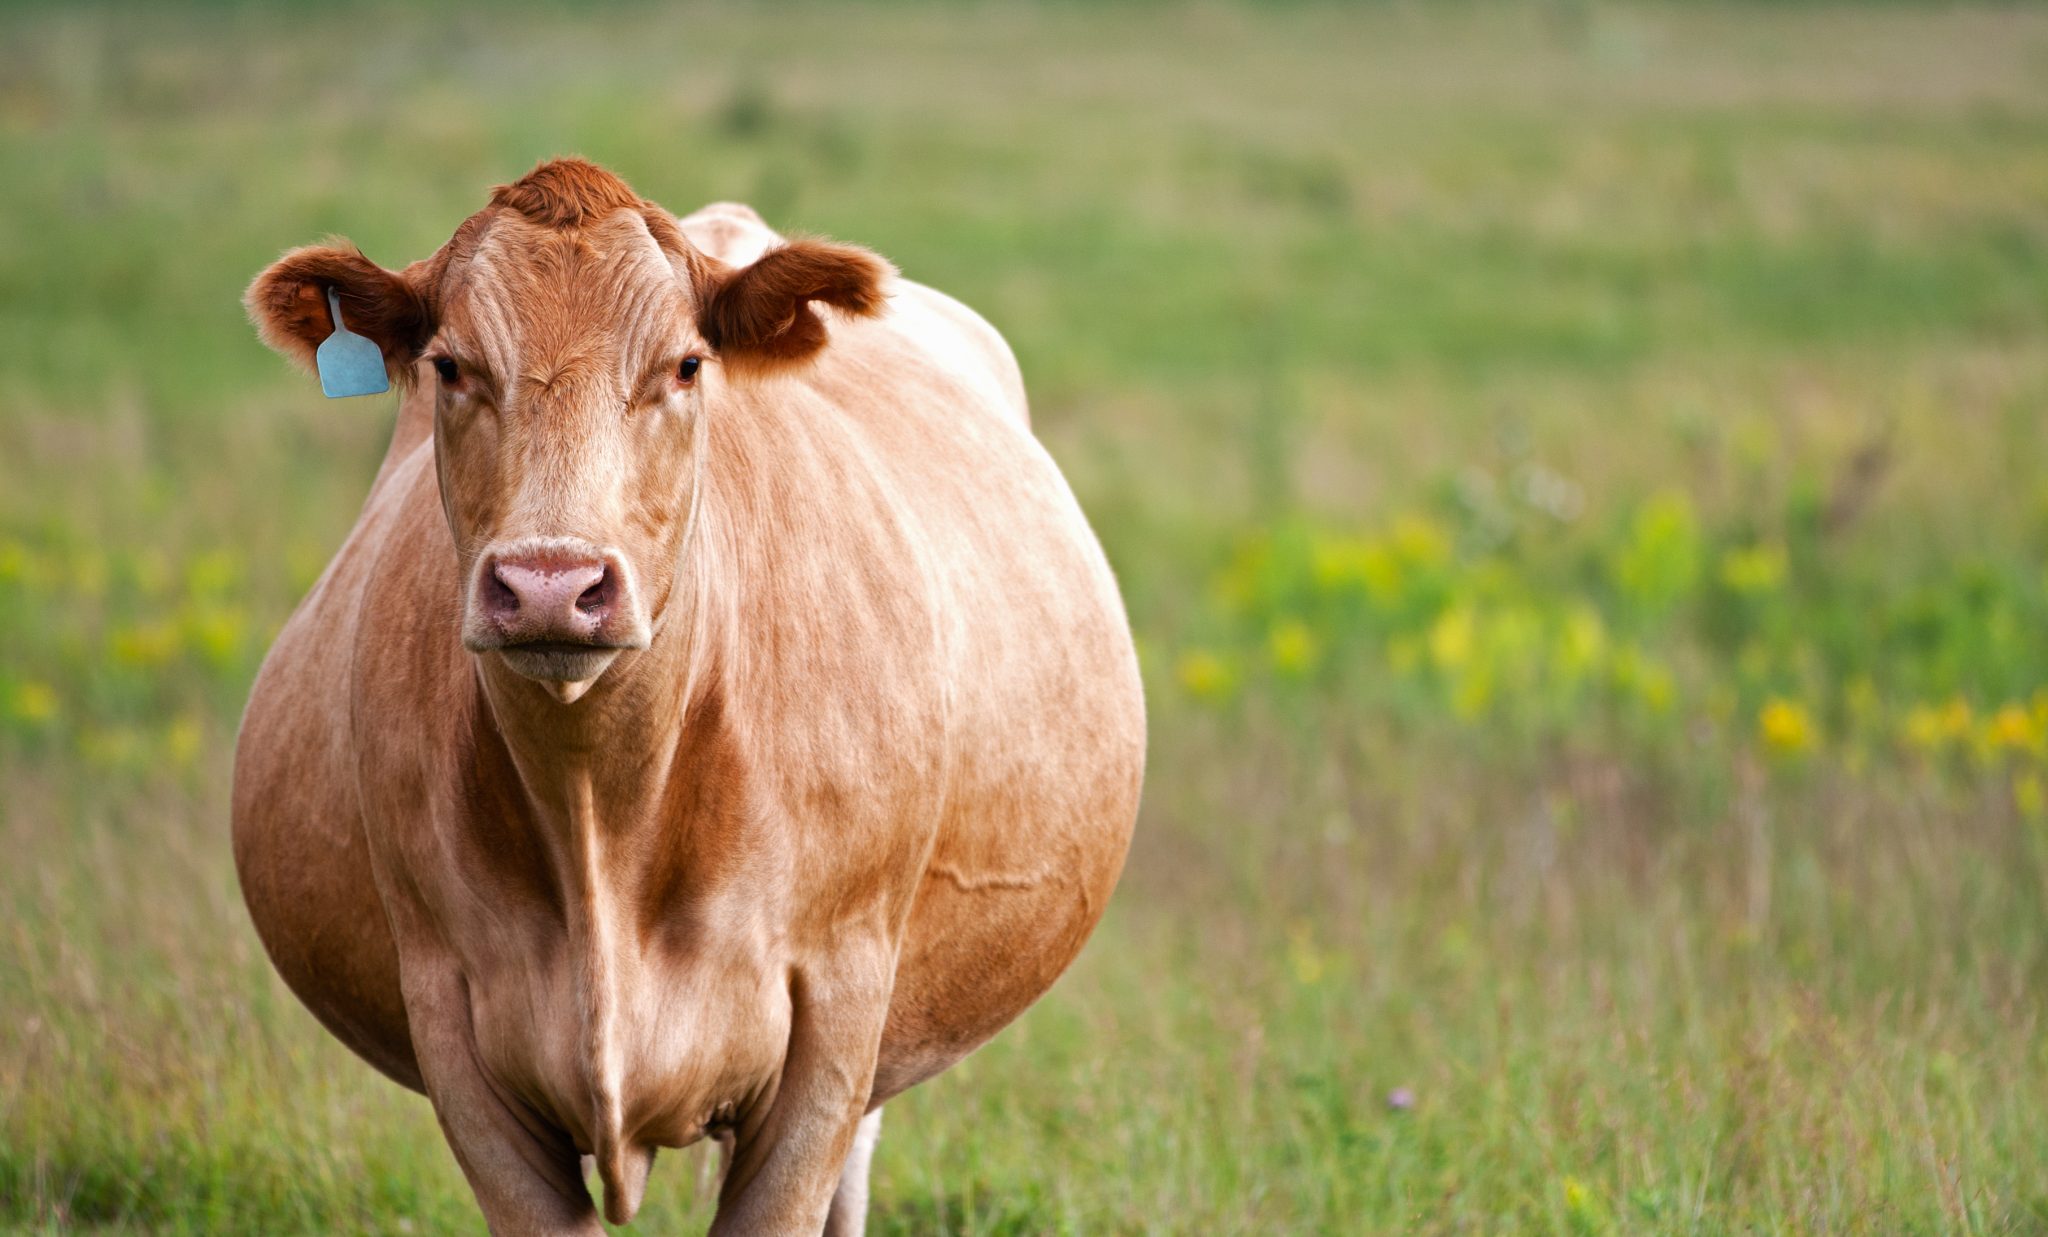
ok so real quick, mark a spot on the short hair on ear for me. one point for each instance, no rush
(759, 317)
(288, 304)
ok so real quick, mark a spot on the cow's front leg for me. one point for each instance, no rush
(525, 1174)
(787, 1164)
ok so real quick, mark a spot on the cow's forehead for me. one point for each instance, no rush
(529, 294)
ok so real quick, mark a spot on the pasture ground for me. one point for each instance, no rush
(1576, 475)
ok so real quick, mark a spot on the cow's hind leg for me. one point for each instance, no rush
(849, 1214)
(712, 1163)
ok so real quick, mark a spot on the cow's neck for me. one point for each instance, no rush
(602, 762)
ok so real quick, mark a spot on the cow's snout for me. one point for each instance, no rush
(549, 597)
(556, 610)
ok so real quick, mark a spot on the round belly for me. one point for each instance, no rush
(1017, 881)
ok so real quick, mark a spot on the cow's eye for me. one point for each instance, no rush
(446, 368)
(686, 373)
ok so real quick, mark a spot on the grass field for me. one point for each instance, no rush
(1576, 473)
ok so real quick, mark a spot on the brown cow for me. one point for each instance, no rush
(720, 719)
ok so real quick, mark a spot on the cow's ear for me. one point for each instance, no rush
(288, 304)
(760, 318)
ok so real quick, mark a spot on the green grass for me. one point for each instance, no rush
(1576, 473)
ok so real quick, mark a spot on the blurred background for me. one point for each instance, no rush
(1576, 474)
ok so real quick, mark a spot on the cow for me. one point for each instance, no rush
(720, 718)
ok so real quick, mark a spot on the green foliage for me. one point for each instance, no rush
(1574, 471)
(1619, 634)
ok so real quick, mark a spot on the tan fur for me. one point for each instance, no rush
(854, 805)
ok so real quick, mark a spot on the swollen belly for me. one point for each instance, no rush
(979, 949)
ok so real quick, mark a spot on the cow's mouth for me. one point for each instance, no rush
(559, 664)
(569, 647)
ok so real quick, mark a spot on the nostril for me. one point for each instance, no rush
(499, 595)
(599, 595)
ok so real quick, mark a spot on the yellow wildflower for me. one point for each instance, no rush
(1660, 561)
(1205, 675)
(1654, 687)
(1421, 541)
(2013, 727)
(1582, 642)
(1934, 726)
(181, 739)
(1292, 646)
(144, 646)
(1643, 677)
(1785, 727)
(1336, 563)
(2028, 795)
(1753, 570)
(213, 573)
(1450, 637)
(34, 702)
(215, 630)
(1302, 954)
(1922, 726)
(14, 562)
(1474, 693)
(1382, 573)
(1576, 1195)
(1582, 1207)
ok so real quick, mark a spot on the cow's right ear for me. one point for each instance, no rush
(288, 304)
(759, 317)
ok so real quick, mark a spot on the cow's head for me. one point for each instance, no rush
(577, 341)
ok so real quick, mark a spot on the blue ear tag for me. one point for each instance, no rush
(348, 363)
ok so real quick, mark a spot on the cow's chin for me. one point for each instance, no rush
(565, 670)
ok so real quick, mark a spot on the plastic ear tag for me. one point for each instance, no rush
(348, 363)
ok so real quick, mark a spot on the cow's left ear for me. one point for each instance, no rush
(288, 304)
(759, 317)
